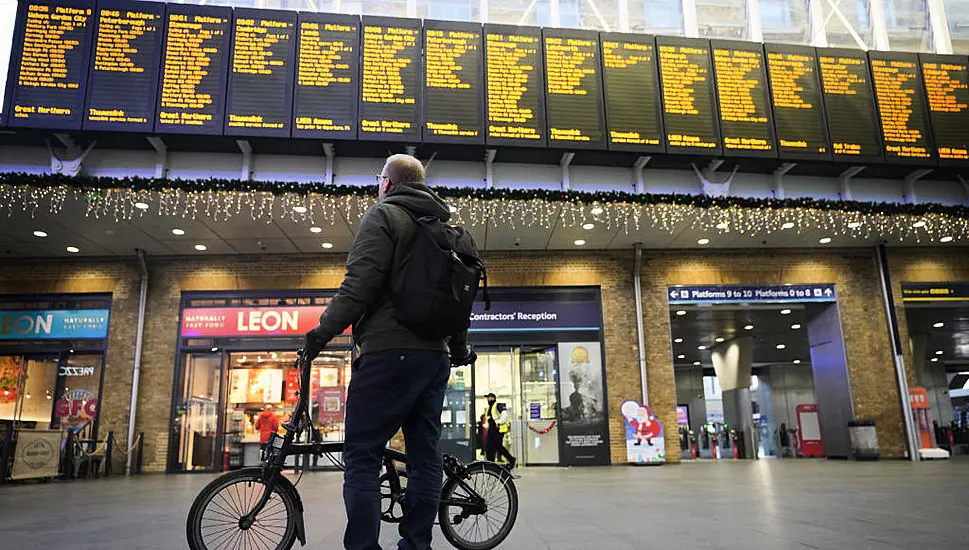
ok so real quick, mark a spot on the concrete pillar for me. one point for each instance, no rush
(829, 365)
(732, 362)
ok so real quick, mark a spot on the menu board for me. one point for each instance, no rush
(743, 99)
(630, 84)
(259, 101)
(515, 84)
(795, 87)
(849, 105)
(900, 97)
(327, 76)
(453, 83)
(194, 70)
(390, 82)
(123, 81)
(573, 86)
(946, 79)
(49, 63)
(689, 112)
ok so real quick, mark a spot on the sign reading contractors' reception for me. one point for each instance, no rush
(51, 324)
(746, 294)
(535, 316)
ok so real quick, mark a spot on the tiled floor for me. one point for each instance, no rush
(743, 505)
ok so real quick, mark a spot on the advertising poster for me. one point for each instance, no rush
(585, 428)
(644, 434)
(37, 454)
(331, 405)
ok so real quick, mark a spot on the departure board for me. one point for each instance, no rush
(49, 63)
(123, 81)
(795, 87)
(390, 82)
(630, 83)
(946, 79)
(743, 99)
(327, 76)
(849, 105)
(689, 112)
(195, 63)
(515, 84)
(453, 83)
(900, 97)
(259, 101)
(574, 111)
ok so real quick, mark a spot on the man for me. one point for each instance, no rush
(498, 426)
(267, 423)
(399, 378)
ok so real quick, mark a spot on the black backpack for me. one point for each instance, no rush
(438, 279)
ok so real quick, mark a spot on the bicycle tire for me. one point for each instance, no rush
(228, 509)
(446, 515)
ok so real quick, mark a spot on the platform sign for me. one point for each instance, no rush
(929, 292)
(748, 294)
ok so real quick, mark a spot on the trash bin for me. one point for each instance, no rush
(864, 439)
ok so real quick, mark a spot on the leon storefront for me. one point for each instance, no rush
(236, 362)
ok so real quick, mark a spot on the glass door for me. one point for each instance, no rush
(496, 371)
(197, 418)
(27, 390)
(457, 418)
(539, 406)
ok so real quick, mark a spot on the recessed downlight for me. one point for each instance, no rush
(201, 247)
(946, 239)
(315, 229)
(749, 327)
(696, 363)
(596, 210)
(681, 312)
(781, 346)
(701, 348)
(142, 205)
(854, 225)
(579, 242)
(702, 242)
(918, 224)
(940, 352)
(785, 312)
(73, 249)
(797, 361)
(940, 324)
(678, 341)
(723, 225)
(40, 234)
(299, 209)
(178, 232)
(795, 326)
(720, 339)
(588, 226)
(215, 348)
(681, 356)
(824, 240)
(934, 359)
(787, 225)
(452, 209)
(327, 245)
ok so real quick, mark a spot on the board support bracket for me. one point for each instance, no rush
(565, 162)
(908, 186)
(73, 158)
(965, 188)
(489, 160)
(638, 168)
(161, 156)
(845, 180)
(328, 152)
(711, 188)
(778, 178)
(246, 149)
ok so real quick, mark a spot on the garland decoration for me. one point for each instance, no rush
(313, 203)
(546, 430)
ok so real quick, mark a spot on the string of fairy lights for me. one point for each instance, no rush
(316, 204)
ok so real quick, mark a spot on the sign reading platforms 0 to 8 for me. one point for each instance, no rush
(260, 100)
(573, 102)
(123, 83)
(194, 69)
(49, 65)
(515, 84)
(453, 83)
(327, 76)
(634, 112)
(743, 99)
(390, 85)
(901, 106)
(798, 108)
(849, 106)
(689, 112)
(946, 79)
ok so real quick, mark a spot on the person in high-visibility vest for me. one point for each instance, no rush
(498, 426)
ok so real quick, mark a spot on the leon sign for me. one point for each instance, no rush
(214, 322)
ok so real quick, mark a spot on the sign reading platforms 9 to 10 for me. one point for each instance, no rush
(211, 70)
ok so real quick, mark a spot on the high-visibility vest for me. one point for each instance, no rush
(495, 416)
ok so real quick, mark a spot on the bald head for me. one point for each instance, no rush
(401, 170)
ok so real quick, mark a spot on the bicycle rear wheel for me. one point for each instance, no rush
(214, 520)
(479, 511)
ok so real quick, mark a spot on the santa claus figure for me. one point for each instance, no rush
(645, 425)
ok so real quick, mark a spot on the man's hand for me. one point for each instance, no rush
(469, 358)
(314, 344)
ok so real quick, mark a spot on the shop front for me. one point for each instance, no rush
(51, 368)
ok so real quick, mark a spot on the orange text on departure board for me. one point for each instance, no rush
(786, 72)
(252, 54)
(113, 52)
(323, 61)
(443, 51)
(511, 68)
(681, 77)
(838, 80)
(569, 62)
(737, 82)
(621, 56)
(51, 33)
(191, 48)
(896, 108)
(382, 79)
(947, 94)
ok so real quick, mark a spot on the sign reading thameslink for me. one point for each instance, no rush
(746, 294)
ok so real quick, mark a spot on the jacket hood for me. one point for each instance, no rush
(420, 200)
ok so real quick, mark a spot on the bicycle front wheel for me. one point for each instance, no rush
(479, 511)
(214, 520)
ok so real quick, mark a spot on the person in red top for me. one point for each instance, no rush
(267, 423)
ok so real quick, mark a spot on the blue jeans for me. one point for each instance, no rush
(390, 390)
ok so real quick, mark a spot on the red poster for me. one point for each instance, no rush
(292, 385)
(213, 322)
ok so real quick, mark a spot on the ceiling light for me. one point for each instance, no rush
(785, 312)
(934, 359)
(918, 224)
(795, 326)
(40, 234)
(719, 340)
(940, 324)
(215, 349)
(327, 245)
(73, 249)
(299, 209)
(588, 226)
(701, 348)
(201, 247)
(681, 357)
(938, 352)
(824, 240)
(749, 327)
(141, 205)
(178, 232)
(787, 225)
(702, 242)
(596, 210)
(946, 239)
(452, 209)
(678, 341)
(681, 312)
(723, 225)
(854, 225)
(696, 363)
(316, 230)
(579, 242)
(797, 361)
(781, 346)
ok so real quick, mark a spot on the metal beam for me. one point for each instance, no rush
(819, 37)
(835, 10)
(879, 25)
(329, 153)
(778, 177)
(554, 14)
(939, 22)
(845, 180)
(566, 173)
(412, 8)
(622, 9)
(489, 167)
(595, 11)
(755, 27)
(908, 186)
(691, 27)
(638, 168)
(161, 156)
(483, 11)
(246, 159)
(965, 189)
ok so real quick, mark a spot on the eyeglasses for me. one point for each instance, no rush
(380, 178)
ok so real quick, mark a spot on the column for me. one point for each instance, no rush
(732, 362)
(829, 366)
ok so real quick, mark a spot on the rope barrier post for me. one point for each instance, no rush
(69, 456)
(141, 450)
(6, 451)
(108, 454)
